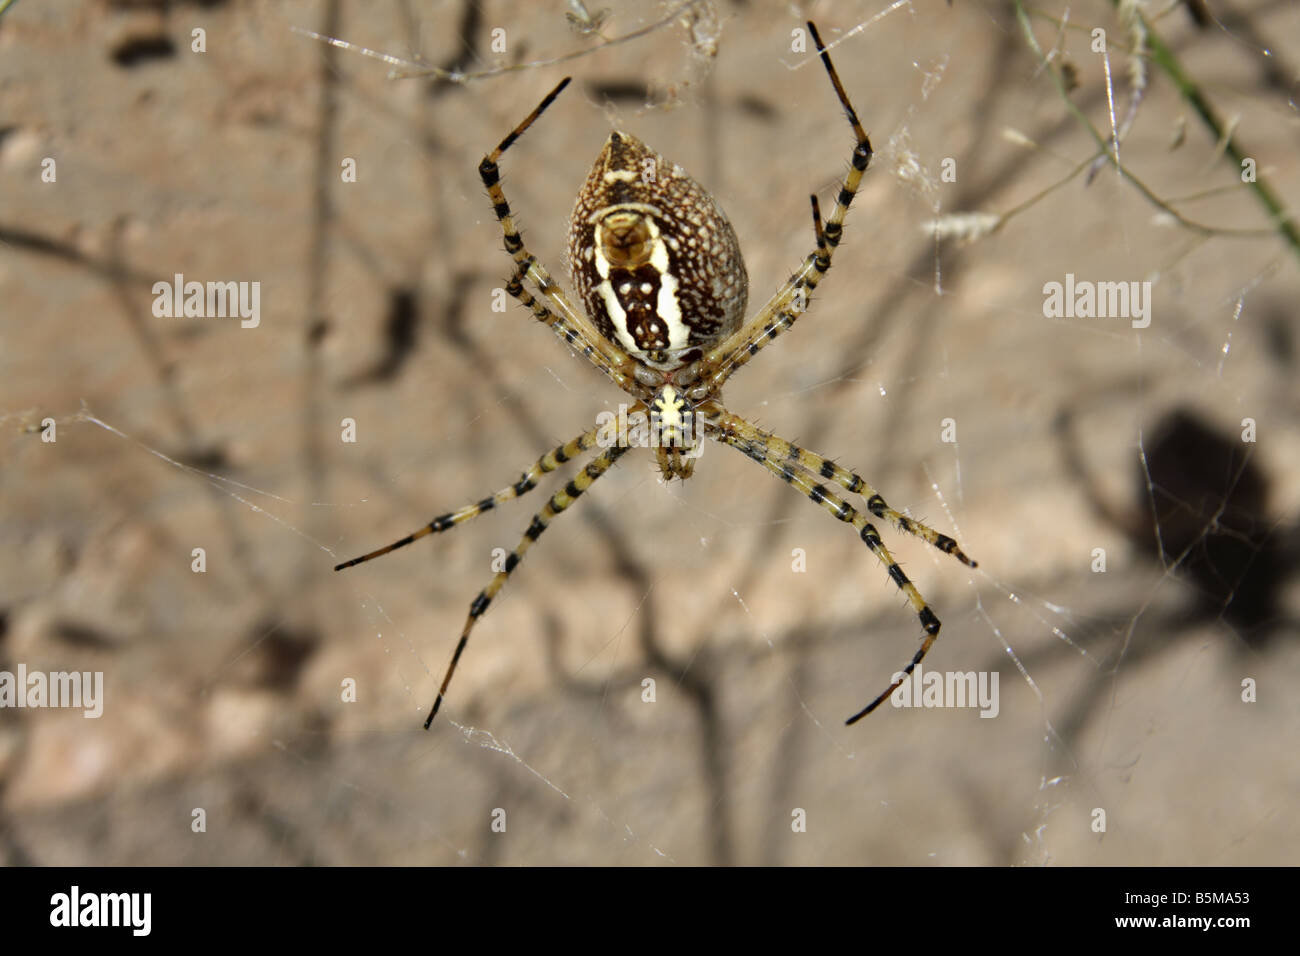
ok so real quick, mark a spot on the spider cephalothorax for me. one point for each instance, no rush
(659, 269)
(673, 433)
(654, 258)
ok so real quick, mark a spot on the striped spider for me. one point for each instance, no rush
(659, 270)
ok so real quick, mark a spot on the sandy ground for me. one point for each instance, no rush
(761, 621)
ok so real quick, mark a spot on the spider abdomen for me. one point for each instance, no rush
(654, 258)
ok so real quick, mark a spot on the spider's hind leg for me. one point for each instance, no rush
(791, 300)
(618, 370)
(570, 324)
(490, 172)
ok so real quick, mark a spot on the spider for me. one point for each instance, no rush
(659, 270)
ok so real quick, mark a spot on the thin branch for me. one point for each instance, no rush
(1164, 58)
(1104, 148)
(412, 69)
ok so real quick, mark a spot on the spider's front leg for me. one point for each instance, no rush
(548, 463)
(560, 501)
(801, 469)
(777, 449)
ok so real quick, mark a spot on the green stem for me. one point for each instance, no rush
(1164, 58)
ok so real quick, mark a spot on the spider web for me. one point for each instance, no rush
(1120, 690)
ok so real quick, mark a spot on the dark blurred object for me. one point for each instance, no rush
(1199, 12)
(277, 657)
(1206, 517)
(636, 92)
(1201, 510)
(400, 327)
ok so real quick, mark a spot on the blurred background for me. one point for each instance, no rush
(1051, 447)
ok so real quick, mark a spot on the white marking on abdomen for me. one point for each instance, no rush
(666, 306)
(617, 315)
(671, 313)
